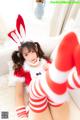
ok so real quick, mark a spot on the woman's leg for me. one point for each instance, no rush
(61, 112)
(38, 105)
(45, 115)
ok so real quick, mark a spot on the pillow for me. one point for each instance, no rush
(11, 77)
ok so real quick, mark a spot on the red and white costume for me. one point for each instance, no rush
(52, 87)
(31, 74)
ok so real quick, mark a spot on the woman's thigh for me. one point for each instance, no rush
(45, 115)
(61, 112)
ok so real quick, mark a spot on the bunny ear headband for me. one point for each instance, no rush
(18, 35)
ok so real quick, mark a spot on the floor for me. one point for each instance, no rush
(7, 101)
(7, 98)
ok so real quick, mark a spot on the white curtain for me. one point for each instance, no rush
(60, 23)
(63, 12)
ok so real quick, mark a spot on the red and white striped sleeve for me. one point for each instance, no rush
(22, 76)
(22, 113)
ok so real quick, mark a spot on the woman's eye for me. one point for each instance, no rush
(32, 51)
(26, 54)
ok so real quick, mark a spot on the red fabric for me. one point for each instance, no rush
(64, 59)
(56, 87)
(21, 73)
(21, 112)
(20, 22)
(48, 61)
(76, 56)
(38, 111)
(27, 78)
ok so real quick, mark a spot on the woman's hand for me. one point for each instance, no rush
(46, 66)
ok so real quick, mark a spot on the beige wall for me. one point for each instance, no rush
(3, 30)
(61, 15)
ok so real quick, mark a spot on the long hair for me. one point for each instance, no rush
(17, 56)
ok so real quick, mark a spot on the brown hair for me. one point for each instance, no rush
(18, 58)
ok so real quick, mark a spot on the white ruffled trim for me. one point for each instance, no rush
(27, 67)
(56, 75)
(19, 79)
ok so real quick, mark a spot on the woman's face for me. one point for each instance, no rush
(29, 56)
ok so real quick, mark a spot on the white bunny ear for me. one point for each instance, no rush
(20, 25)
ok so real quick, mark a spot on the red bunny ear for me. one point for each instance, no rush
(20, 22)
(18, 35)
(11, 36)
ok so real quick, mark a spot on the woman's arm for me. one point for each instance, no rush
(20, 101)
(20, 94)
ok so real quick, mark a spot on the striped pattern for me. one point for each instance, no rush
(53, 86)
(37, 100)
(46, 91)
(73, 79)
(38, 105)
(64, 59)
(21, 112)
(51, 103)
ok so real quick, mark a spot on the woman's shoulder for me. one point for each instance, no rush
(19, 72)
(22, 75)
